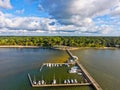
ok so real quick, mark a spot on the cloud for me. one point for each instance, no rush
(11, 24)
(5, 4)
(30, 24)
(72, 17)
(71, 11)
(19, 11)
(115, 11)
(79, 15)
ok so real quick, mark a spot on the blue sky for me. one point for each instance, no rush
(60, 17)
(29, 7)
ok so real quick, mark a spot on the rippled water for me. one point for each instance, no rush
(103, 65)
(15, 63)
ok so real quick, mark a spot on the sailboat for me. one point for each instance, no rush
(42, 81)
(54, 80)
(34, 81)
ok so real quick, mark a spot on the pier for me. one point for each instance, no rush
(86, 74)
(69, 53)
(61, 85)
(89, 77)
(29, 77)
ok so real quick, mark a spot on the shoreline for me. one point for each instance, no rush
(78, 48)
(58, 48)
(18, 46)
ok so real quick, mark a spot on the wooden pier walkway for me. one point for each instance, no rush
(61, 85)
(88, 76)
(69, 53)
(94, 83)
(30, 79)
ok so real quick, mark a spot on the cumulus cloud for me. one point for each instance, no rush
(31, 24)
(69, 11)
(78, 15)
(65, 16)
(5, 4)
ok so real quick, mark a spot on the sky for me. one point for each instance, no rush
(60, 17)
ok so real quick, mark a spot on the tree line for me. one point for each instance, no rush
(50, 41)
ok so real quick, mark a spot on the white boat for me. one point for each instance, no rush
(54, 81)
(74, 67)
(34, 82)
(75, 80)
(65, 81)
(49, 64)
(55, 65)
(72, 81)
(72, 71)
(42, 82)
(68, 81)
(71, 60)
(79, 73)
(39, 82)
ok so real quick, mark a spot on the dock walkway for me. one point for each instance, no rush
(69, 53)
(94, 83)
(61, 85)
(89, 77)
(30, 79)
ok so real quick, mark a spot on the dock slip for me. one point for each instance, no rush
(89, 77)
(56, 85)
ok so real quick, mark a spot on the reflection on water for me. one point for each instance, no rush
(15, 63)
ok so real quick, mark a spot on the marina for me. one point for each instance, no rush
(94, 61)
(72, 68)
